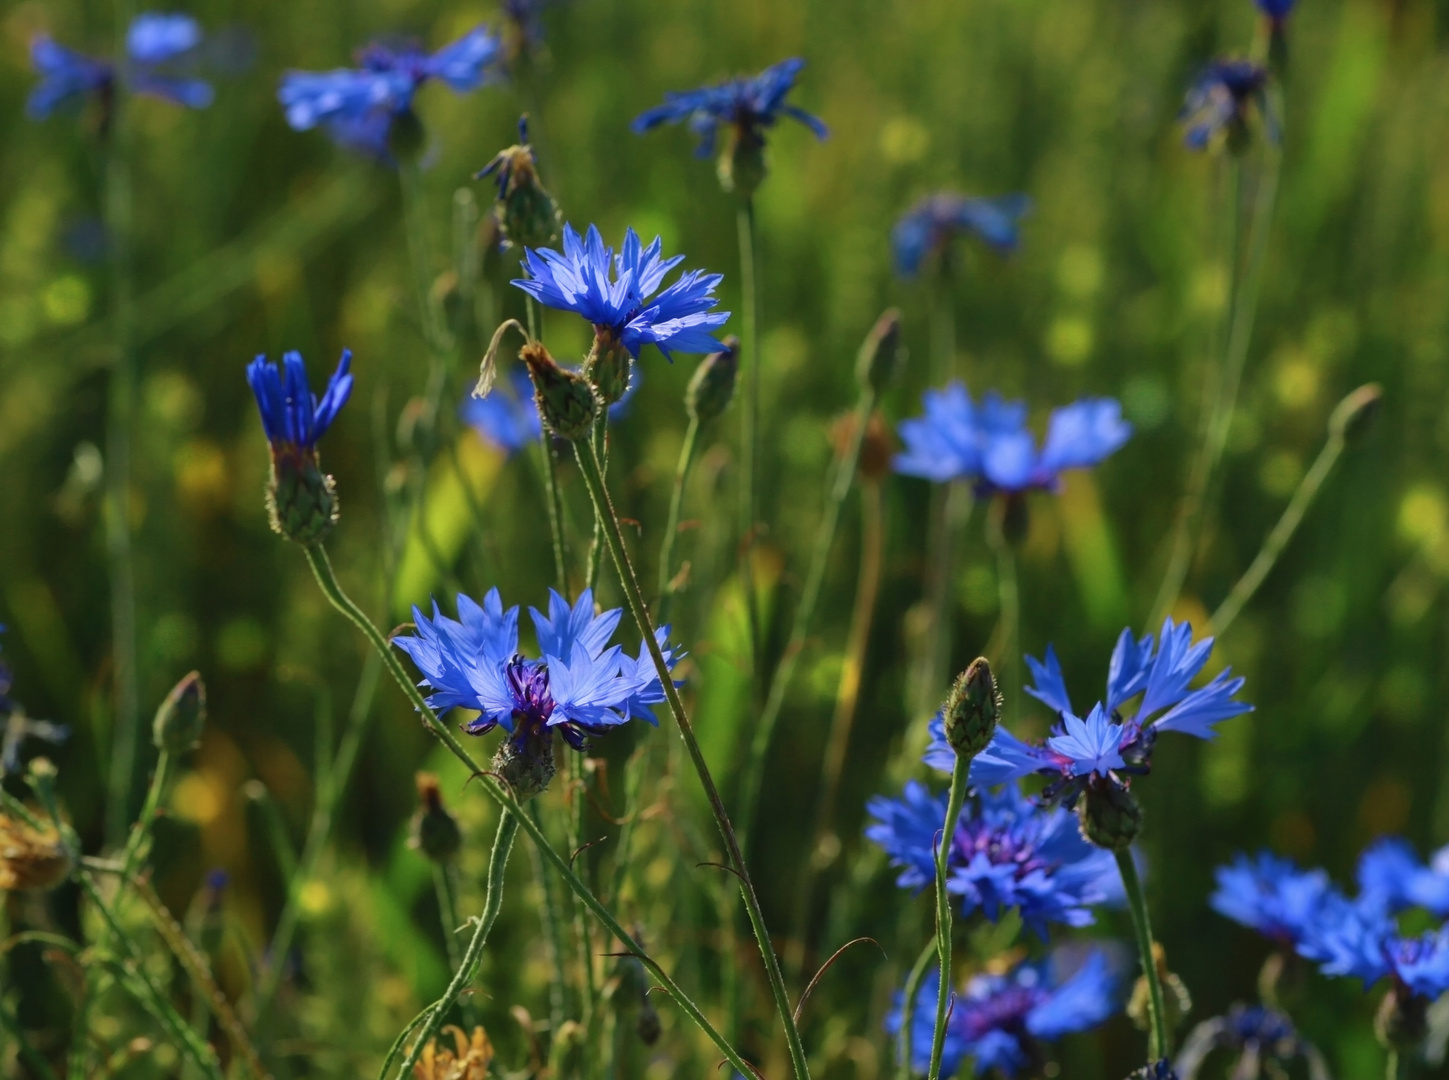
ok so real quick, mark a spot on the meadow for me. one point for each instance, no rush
(287, 791)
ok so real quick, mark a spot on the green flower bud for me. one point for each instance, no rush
(1109, 814)
(527, 766)
(742, 166)
(1354, 415)
(712, 386)
(607, 366)
(972, 710)
(879, 356)
(566, 401)
(181, 716)
(527, 214)
(301, 498)
(435, 832)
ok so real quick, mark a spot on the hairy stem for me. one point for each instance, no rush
(905, 1068)
(954, 803)
(676, 507)
(1157, 1044)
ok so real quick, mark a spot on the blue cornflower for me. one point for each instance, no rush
(1220, 100)
(510, 420)
(18, 727)
(1006, 853)
(930, 225)
(1275, 10)
(1274, 896)
(301, 499)
(749, 104)
(1392, 878)
(997, 1018)
(990, 445)
(1367, 945)
(157, 46)
(1256, 1033)
(579, 686)
(358, 106)
(1104, 746)
(616, 293)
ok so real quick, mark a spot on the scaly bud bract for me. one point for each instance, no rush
(712, 386)
(607, 366)
(972, 710)
(526, 764)
(181, 716)
(1109, 814)
(565, 400)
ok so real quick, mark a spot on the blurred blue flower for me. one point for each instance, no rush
(929, 226)
(990, 444)
(157, 47)
(509, 419)
(292, 417)
(997, 1017)
(357, 106)
(1006, 853)
(1275, 10)
(1273, 896)
(1104, 744)
(616, 293)
(1350, 939)
(580, 685)
(1392, 878)
(749, 104)
(18, 727)
(1219, 101)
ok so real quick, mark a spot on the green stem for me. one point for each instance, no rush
(120, 425)
(446, 892)
(468, 966)
(1157, 1044)
(141, 831)
(1278, 539)
(552, 495)
(553, 927)
(635, 599)
(582, 932)
(1004, 651)
(415, 226)
(27, 1051)
(843, 478)
(954, 803)
(327, 581)
(748, 384)
(596, 545)
(904, 1067)
(676, 507)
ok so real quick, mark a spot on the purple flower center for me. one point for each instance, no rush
(532, 701)
(1004, 1009)
(1000, 848)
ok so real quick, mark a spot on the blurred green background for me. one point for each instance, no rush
(253, 238)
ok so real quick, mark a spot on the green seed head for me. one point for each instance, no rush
(972, 710)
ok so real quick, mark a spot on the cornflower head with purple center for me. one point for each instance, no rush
(580, 686)
(301, 499)
(509, 419)
(747, 105)
(620, 296)
(1220, 103)
(369, 108)
(1100, 754)
(1006, 853)
(1274, 896)
(158, 49)
(928, 228)
(990, 445)
(1001, 1019)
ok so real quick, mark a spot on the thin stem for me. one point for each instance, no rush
(842, 479)
(141, 831)
(120, 425)
(1278, 539)
(318, 832)
(904, 1066)
(582, 932)
(1157, 1044)
(1003, 651)
(446, 892)
(596, 545)
(635, 599)
(1392, 1066)
(327, 581)
(748, 383)
(954, 803)
(552, 495)
(415, 226)
(27, 1051)
(468, 966)
(825, 848)
(676, 507)
(553, 927)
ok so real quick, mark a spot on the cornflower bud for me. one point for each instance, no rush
(879, 356)
(971, 710)
(435, 832)
(181, 716)
(1109, 814)
(527, 214)
(607, 366)
(565, 401)
(742, 167)
(712, 386)
(31, 859)
(1354, 415)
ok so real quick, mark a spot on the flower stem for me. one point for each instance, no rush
(676, 507)
(551, 491)
(553, 926)
(1157, 1044)
(596, 545)
(635, 599)
(904, 1069)
(1003, 652)
(748, 382)
(141, 831)
(1278, 539)
(446, 892)
(327, 581)
(842, 479)
(954, 802)
(468, 966)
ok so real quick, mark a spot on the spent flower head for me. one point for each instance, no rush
(1006, 853)
(301, 499)
(160, 51)
(999, 1020)
(527, 214)
(1221, 102)
(369, 108)
(991, 446)
(929, 227)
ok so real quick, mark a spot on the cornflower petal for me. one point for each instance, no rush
(1093, 745)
